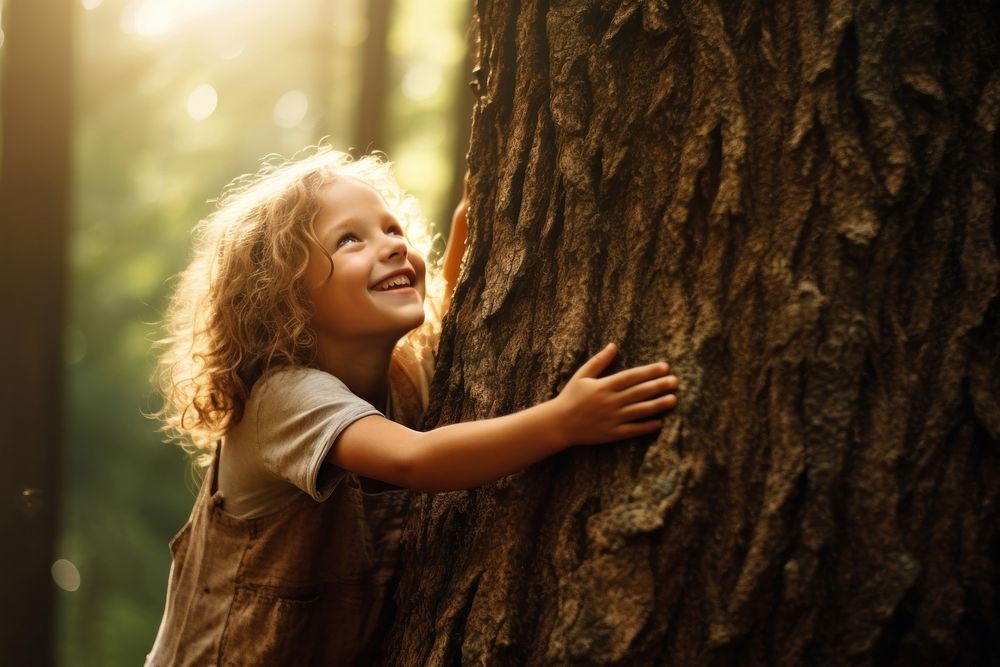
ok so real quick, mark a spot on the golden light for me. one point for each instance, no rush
(291, 109)
(416, 165)
(430, 138)
(231, 48)
(148, 19)
(352, 31)
(202, 101)
(421, 81)
(91, 4)
(156, 19)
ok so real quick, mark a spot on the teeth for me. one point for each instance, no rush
(396, 281)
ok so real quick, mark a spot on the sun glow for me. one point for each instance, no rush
(158, 19)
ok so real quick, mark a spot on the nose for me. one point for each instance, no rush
(394, 246)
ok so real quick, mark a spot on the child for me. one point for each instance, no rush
(297, 326)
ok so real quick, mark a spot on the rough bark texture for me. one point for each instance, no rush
(796, 204)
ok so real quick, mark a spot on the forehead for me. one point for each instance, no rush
(348, 198)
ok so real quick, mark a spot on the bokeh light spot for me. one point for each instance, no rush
(202, 101)
(291, 108)
(421, 81)
(91, 4)
(65, 574)
(146, 18)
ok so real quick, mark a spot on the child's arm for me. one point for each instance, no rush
(589, 410)
(456, 245)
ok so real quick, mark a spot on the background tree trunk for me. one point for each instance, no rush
(796, 204)
(35, 123)
(370, 133)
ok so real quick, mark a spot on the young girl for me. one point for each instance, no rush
(296, 363)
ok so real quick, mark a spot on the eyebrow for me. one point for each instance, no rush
(337, 228)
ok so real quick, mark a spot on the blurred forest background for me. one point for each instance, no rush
(173, 99)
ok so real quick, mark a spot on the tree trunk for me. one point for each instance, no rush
(796, 204)
(370, 132)
(35, 121)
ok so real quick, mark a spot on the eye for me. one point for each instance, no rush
(395, 230)
(347, 239)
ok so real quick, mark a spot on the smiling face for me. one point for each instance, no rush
(376, 289)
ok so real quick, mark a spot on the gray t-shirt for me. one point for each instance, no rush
(279, 448)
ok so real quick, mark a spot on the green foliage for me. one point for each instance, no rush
(144, 170)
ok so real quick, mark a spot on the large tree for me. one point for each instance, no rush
(796, 204)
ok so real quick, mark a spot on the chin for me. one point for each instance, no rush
(417, 321)
(408, 324)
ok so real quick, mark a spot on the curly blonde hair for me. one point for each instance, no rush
(240, 309)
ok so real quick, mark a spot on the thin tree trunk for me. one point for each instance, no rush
(34, 199)
(324, 55)
(796, 204)
(374, 72)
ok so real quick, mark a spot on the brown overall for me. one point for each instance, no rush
(305, 585)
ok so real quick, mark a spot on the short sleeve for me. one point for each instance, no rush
(298, 414)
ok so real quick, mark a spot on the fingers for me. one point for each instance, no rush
(597, 363)
(639, 374)
(649, 389)
(649, 408)
(636, 429)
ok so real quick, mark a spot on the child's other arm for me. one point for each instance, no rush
(455, 249)
(589, 410)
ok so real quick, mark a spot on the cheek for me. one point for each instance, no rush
(318, 271)
(421, 281)
(418, 264)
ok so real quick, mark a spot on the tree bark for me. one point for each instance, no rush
(795, 203)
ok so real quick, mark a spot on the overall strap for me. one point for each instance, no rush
(213, 470)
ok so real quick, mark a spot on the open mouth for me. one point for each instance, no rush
(393, 283)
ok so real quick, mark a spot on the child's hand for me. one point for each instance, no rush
(617, 407)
